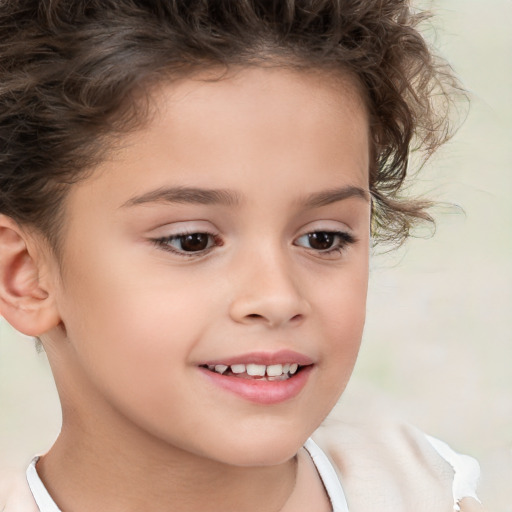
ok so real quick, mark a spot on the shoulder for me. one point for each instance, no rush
(466, 469)
(15, 495)
(397, 467)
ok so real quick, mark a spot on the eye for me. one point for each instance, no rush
(188, 244)
(326, 242)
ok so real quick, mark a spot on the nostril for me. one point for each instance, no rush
(269, 310)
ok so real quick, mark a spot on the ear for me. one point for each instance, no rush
(26, 302)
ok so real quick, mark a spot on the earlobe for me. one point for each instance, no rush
(25, 302)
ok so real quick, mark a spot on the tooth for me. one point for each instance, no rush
(211, 367)
(238, 368)
(283, 376)
(274, 369)
(293, 368)
(286, 368)
(220, 368)
(256, 370)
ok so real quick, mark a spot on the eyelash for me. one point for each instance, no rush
(344, 239)
(164, 243)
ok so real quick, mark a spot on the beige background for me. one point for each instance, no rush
(437, 349)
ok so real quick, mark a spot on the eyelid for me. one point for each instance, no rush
(182, 227)
(338, 232)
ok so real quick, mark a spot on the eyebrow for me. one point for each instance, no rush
(334, 195)
(190, 195)
(195, 195)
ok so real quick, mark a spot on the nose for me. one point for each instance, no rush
(267, 293)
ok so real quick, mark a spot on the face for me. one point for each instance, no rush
(227, 238)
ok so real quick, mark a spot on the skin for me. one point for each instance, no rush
(126, 322)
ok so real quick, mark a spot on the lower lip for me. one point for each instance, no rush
(262, 391)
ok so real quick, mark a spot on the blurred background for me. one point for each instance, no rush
(437, 349)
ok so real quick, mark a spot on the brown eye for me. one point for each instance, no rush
(194, 242)
(325, 242)
(189, 244)
(321, 240)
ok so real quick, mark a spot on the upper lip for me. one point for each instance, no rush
(264, 358)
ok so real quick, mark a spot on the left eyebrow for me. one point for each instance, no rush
(326, 197)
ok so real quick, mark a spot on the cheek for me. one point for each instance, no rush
(341, 310)
(131, 328)
(133, 324)
(122, 295)
(341, 301)
(337, 327)
(134, 353)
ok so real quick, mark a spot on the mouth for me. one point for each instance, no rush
(260, 372)
(261, 377)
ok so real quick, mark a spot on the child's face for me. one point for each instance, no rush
(280, 155)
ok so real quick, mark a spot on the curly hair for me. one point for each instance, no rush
(71, 71)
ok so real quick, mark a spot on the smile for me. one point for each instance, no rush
(273, 372)
(261, 377)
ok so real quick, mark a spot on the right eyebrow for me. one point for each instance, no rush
(191, 195)
(326, 197)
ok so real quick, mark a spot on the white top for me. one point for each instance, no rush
(466, 469)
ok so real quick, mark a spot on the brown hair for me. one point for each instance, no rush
(70, 70)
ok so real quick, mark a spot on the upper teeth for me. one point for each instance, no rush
(257, 370)
(221, 368)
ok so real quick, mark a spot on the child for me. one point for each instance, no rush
(187, 195)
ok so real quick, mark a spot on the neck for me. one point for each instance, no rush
(90, 469)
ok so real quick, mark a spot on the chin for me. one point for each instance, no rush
(261, 450)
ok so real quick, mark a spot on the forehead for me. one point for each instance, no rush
(275, 96)
(235, 128)
(260, 90)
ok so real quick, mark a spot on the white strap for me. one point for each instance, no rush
(41, 496)
(328, 475)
